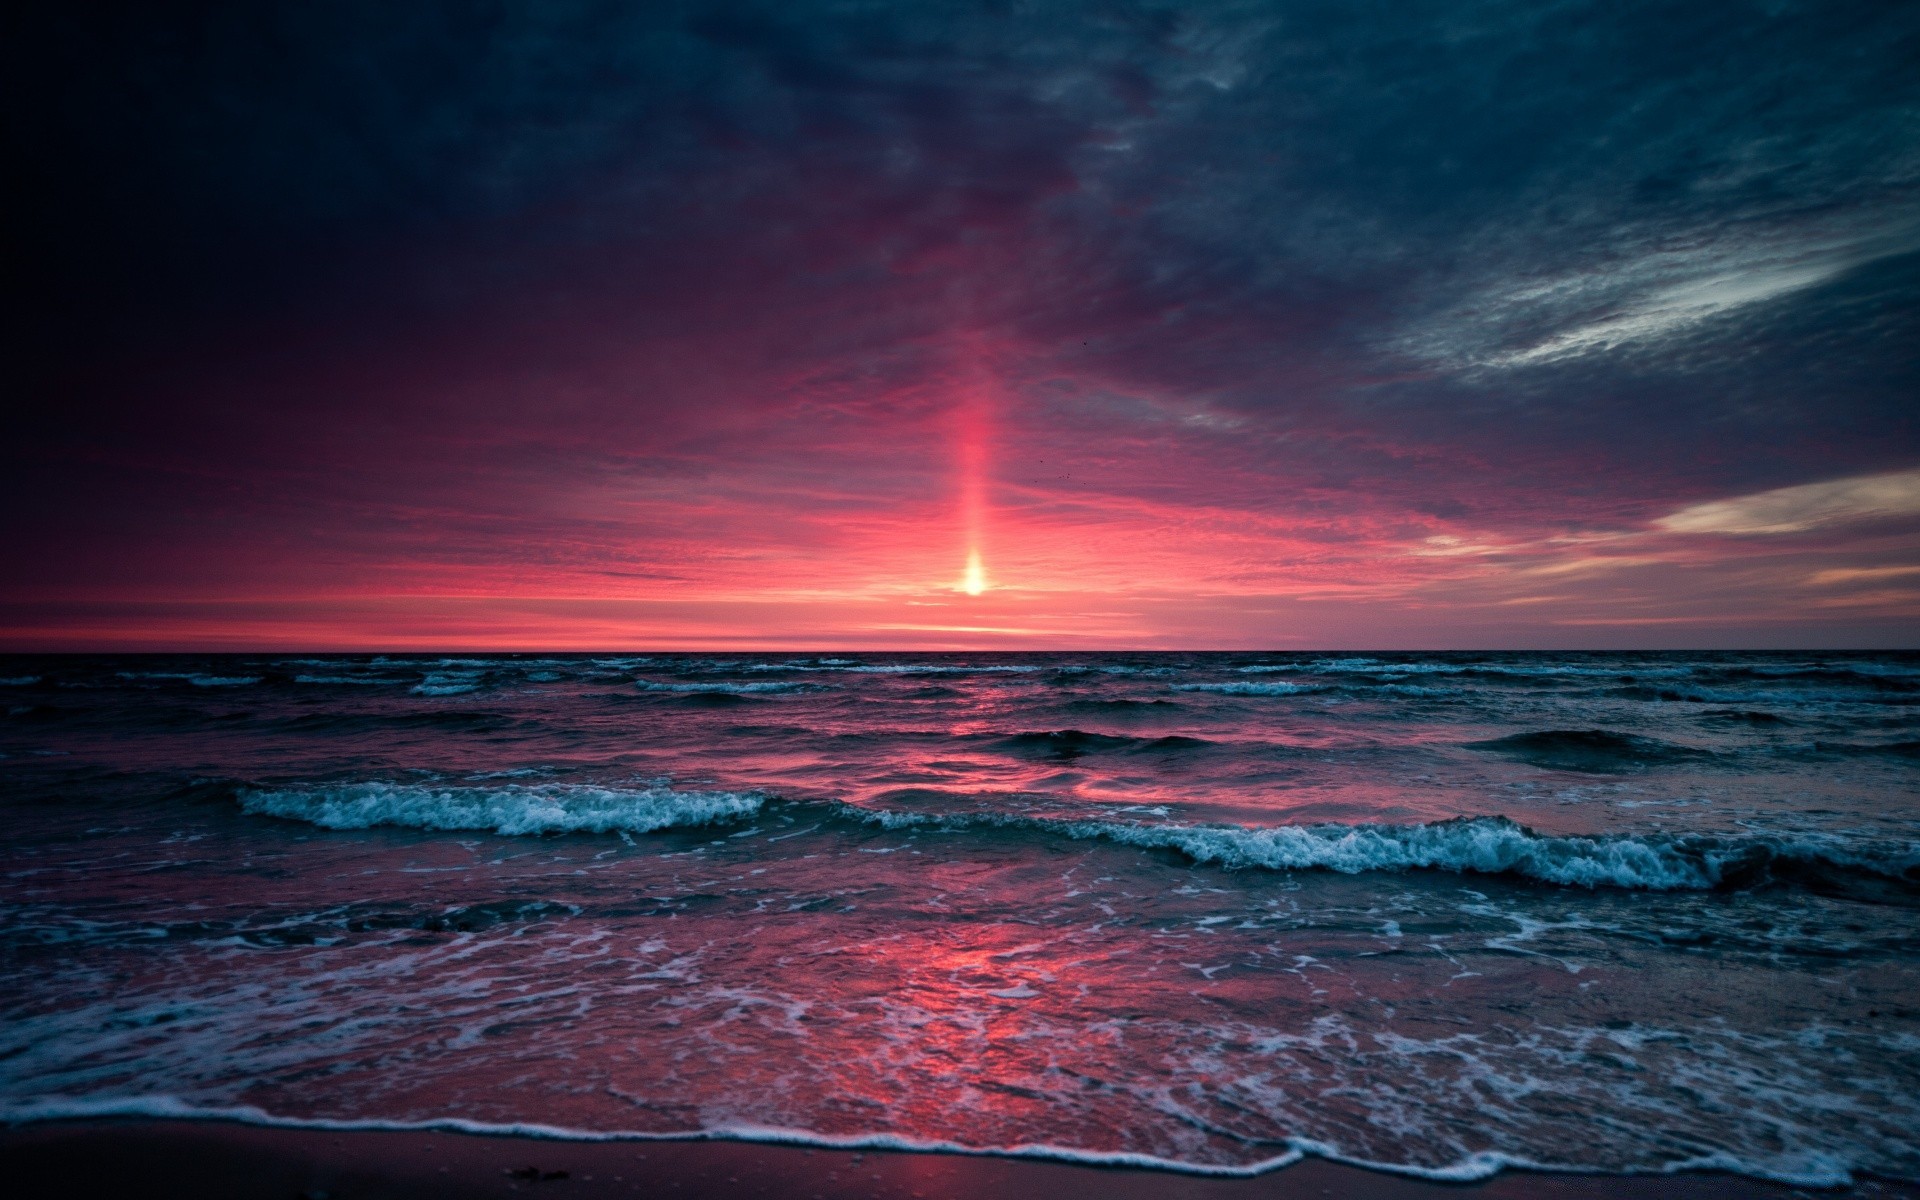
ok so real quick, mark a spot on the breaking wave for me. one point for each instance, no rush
(514, 809)
(1250, 689)
(1486, 846)
(1468, 845)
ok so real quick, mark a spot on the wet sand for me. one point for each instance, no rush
(154, 1160)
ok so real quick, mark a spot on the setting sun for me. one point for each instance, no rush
(975, 580)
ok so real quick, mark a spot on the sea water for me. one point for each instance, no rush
(1437, 913)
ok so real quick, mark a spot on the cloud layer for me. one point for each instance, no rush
(1239, 323)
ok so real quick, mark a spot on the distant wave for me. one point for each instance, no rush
(1888, 677)
(728, 688)
(1597, 751)
(1072, 743)
(938, 669)
(512, 809)
(1477, 845)
(197, 680)
(1251, 689)
(1120, 707)
(452, 719)
(1742, 716)
(1910, 749)
(851, 667)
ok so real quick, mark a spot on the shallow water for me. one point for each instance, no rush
(1432, 912)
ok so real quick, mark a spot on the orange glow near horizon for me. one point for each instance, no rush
(975, 580)
(972, 433)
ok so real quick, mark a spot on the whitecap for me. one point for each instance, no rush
(1479, 845)
(510, 809)
(1249, 689)
(940, 669)
(448, 683)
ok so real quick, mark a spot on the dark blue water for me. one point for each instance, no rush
(1437, 913)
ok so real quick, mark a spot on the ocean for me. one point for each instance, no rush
(1432, 913)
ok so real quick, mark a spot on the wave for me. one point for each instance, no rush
(937, 669)
(1487, 846)
(1884, 677)
(464, 720)
(1120, 707)
(39, 712)
(1472, 1167)
(197, 680)
(1819, 1170)
(1595, 751)
(1073, 743)
(443, 689)
(849, 666)
(1742, 716)
(1391, 669)
(1467, 845)
(721, 687)
(1251, 689)
(515, 809)
(1909, 749)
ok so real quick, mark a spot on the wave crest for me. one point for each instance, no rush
(1467, 845)
(1483, 846)
(1250, 689)
(513, 809)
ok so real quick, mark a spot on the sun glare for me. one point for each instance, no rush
(975, 580)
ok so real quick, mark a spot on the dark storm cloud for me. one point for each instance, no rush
(1484, 175)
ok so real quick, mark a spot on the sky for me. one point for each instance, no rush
(711, 326)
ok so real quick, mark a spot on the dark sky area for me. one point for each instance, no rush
(709, 325)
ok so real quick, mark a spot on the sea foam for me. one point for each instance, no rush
(1249, 689)
(1479, 845)
(1475, 845)
(509, 809)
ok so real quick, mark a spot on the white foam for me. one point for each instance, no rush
(937, 669)
(1488, 845)
(445, 683)
(195, 679)
(1469, 1168)
(509, 809)
(1248, 689)
(20, 681)
(1482, 845)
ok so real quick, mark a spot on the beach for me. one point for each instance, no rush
(161, 1160)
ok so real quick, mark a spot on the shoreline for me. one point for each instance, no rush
(219, 1159)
